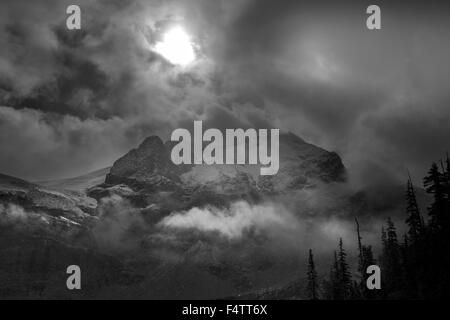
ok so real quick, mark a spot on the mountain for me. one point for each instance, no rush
(148, 170)
(37, 198)
(149, 166)
(151, 229)
(42, 231)
(301, 164)
(79, 183)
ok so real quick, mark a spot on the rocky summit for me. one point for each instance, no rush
(118, 230)
(148, 169)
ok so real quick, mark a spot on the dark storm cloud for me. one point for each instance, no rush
(378, 98)
(68, 95)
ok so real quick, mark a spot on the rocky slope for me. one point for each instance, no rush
(80, 183)
(114, 230)
(148, 171)
(37, 198)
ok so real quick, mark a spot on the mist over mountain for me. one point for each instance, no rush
(80, 183)
(186, 229)
(149, 168)
(86, 176)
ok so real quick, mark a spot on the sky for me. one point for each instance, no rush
(73, 101)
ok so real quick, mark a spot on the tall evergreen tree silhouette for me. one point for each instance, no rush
(368, 257)
(360, 253)
(391, 231)
(312, 286)
(344, 276)
(434, 184)
(383, 242)
(447, 170)
(365, 259)
(437, 262)
(414, 219)
(418, 268)
(447, 185)
(332, 285)
(391, 258)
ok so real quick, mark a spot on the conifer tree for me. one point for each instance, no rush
(368, 260)
(391, 263)
(383, 240)
(447, 184)
(383, 245)
(409, 259)
(447, 169)
(391, 233)
(360, 253)
(414, 218)
(334, 279)
(312, 287)
(368, 257)
(434, 184)
(365, 260)
(344, 278)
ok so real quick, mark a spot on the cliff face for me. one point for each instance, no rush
(302, 165)
(36, 198)
(148, 166)
(156, 230)
(115, 232)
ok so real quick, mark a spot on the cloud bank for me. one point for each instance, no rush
(377, 98)
(234, 222)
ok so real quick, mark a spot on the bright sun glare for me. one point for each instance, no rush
(176, 46)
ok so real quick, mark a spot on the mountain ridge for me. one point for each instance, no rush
(301, 164)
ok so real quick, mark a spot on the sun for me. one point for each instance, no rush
(176, 46)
